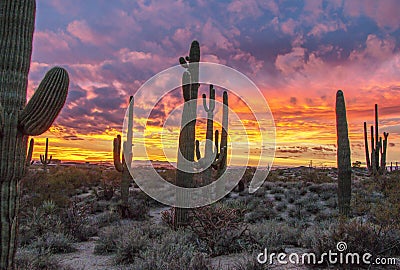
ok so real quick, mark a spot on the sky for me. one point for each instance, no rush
(298, 53)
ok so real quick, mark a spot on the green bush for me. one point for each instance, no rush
(33, 259)
(54, 242)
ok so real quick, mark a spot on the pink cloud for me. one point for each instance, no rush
(385, 13)
(291, 62)
(81, 30)
(376, 48)
(288, 27)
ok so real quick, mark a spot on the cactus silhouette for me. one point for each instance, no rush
(29, 160)
(343, 156)
(17, 121)
(190, 87)
(221, 167)
(377, 163)
(122, 166)
(43, 158)
(211, 159)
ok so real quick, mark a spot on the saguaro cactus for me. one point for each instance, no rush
(43, 158)
(211, 159)
(223, 145)
(343, 156)
(190, 87)
(377, 164)
(123, 166)
(17, 121)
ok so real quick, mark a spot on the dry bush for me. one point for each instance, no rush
(219, 227)
(360, 237)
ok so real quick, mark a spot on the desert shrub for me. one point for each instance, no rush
(108, 239)
(104, 219)
(220, 227)
(332, 202)
(278, 197)
(297, 212)
(316, 176)
(258, 210)
(130, 245)
(155, 231)
(292, 195)
(54, 242)
(281, 206)
(174, 251)
(58, 185)
(277, 190)
(360, 237)
(36, 221)
(137, 209)
(33, 259)
(75, 221)
(167, 217)
(273, 235)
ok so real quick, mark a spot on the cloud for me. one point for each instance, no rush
(384, 13)
(297, 53)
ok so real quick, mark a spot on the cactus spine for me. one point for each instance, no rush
(43, 158)
(343, 156)
(29, 160)
(190, 87)
(377, 164)
(123, 166)
(17, 121)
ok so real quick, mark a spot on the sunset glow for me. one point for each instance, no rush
(297, 53)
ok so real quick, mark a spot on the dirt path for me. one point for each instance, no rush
(84, 259)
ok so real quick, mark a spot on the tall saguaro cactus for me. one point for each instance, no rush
(343, 156)
(43, 158)
(223, 145)
(17, 121)
(190, 87)
(127, 146)
(377, 164)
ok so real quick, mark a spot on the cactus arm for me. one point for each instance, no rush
(183, 62)
(198, 154)
(128, 143)
(45, 104)
(205, 103)
(1, 119)
(383, 158)
(212, 100)
(30, 152)
(216, 140)
(116, 154)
